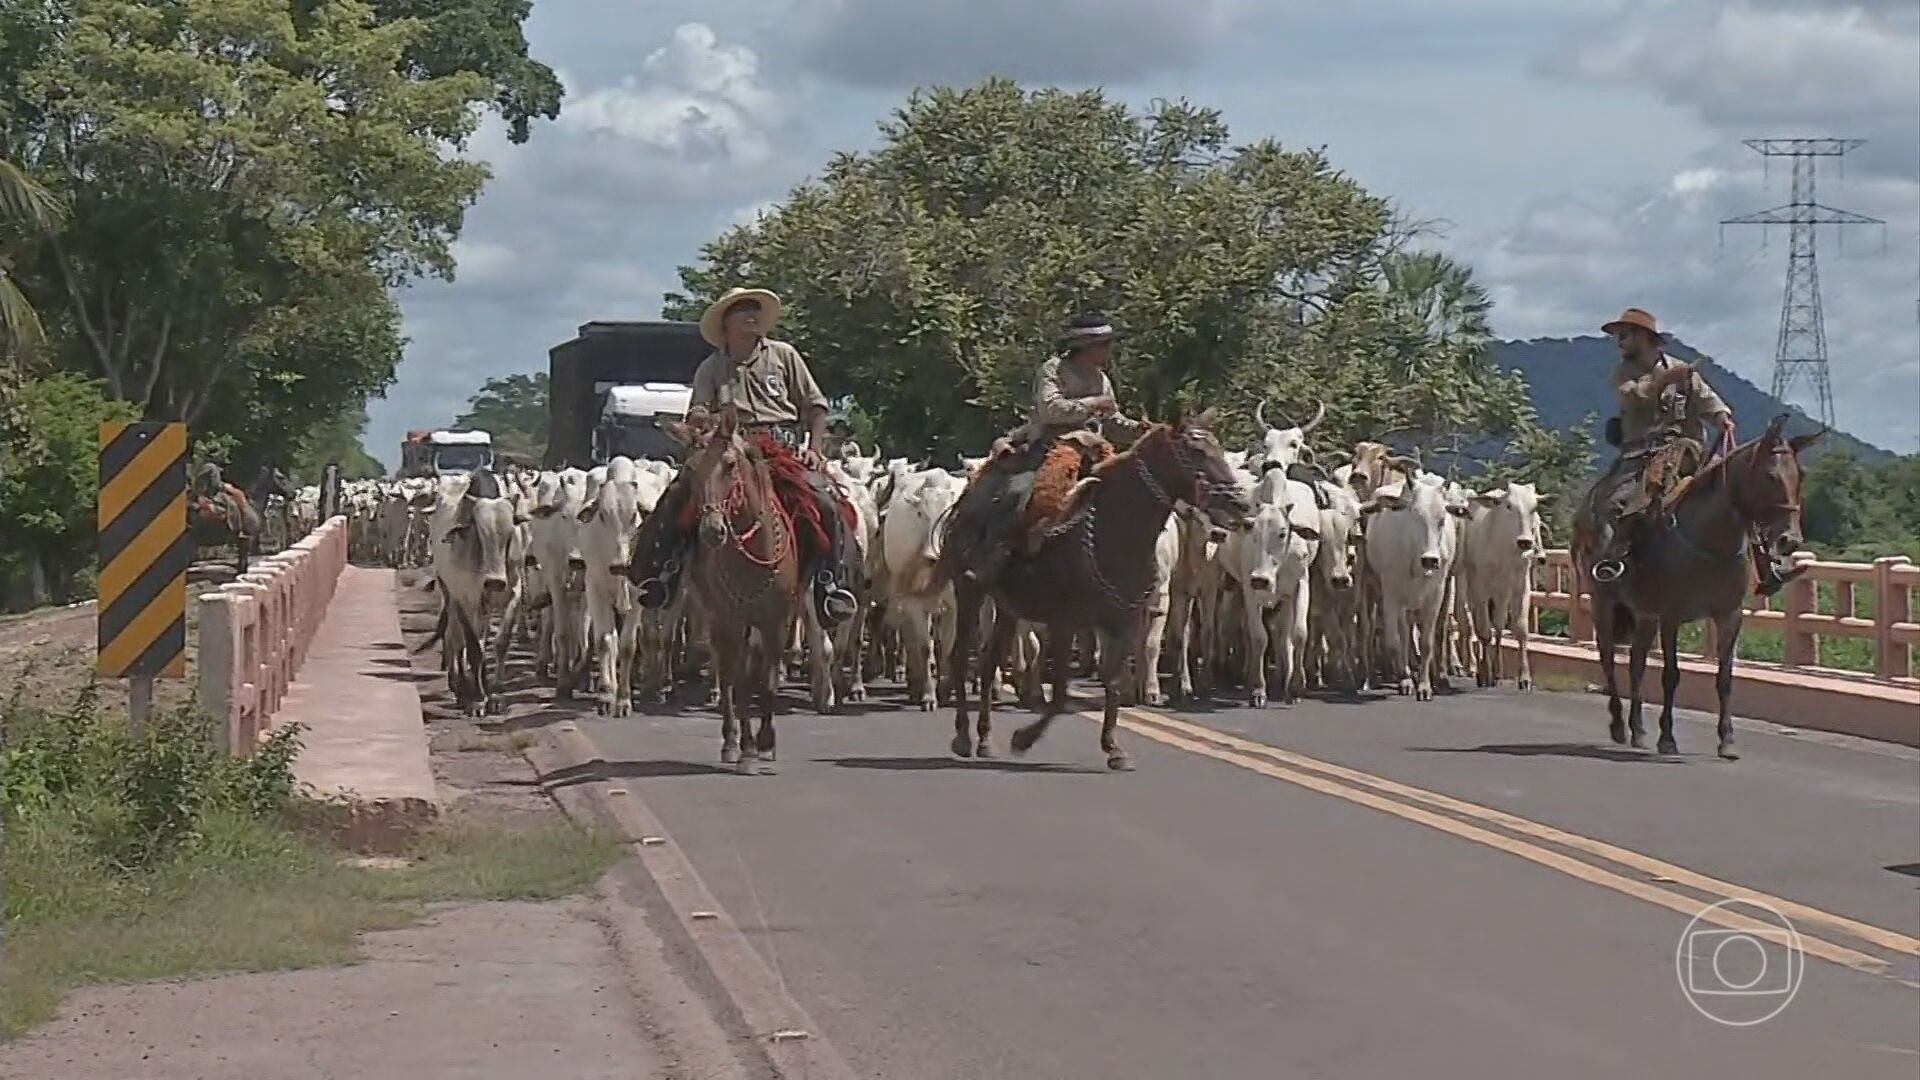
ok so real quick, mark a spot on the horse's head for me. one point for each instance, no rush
(1188, 462)
(716, 456)
(1763, 483)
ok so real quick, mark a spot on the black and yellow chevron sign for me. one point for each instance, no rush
(144, 550)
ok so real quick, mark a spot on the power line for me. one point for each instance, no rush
(1801, 350)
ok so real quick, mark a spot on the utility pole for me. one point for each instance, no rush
(1801, 351)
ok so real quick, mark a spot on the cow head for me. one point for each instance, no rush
(1421, 535)
(1512, 513)
(1339, 534)
(1282, 447)
(612, 517)
(481, 532)
(1281, 534)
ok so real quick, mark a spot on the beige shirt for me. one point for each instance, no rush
(1644, 409)
(1063, 397)
(772, 386)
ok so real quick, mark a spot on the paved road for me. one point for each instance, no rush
(1475, 887)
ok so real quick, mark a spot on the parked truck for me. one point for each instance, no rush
(611, 387)
(438, 451)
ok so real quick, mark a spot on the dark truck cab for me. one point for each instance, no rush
(602, 356)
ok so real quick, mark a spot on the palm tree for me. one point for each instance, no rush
(1442, 294)
(24, 205)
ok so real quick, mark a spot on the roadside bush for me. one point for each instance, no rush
(135, 800)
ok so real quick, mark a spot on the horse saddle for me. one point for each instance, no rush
(221, 508)
(1665, 473)
(1054, 490)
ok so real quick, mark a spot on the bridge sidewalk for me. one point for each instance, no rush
(365, 744)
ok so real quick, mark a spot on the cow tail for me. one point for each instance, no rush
(439, 632)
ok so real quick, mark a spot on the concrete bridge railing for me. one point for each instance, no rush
(1873, 694)
(254, 633)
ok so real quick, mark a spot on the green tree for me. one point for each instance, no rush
(485, 37)
(932, 274)
(513, 409)
(246, 182)
(47, 492)
(25, 208)
(340, 439)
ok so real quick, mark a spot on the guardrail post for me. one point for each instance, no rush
(1890, 606)
(1798, 647)
(215, 662)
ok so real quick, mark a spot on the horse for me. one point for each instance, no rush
(745, 576)
(1093, 571)
(1692, 562)
(224, 514)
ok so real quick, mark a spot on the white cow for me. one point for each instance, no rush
(1193, 602)
(558, 499)
(1166, 558)
(473, 532)
(1282, 447)
(1333, 605)
(1503, 545)
(1410, 546)
(1269, 562)
(609, 519)
(917, 595)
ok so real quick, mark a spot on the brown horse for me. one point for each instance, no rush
(220, 513)
(1094, 571)
(745, 576)
(1693, 563)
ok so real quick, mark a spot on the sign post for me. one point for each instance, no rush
(144, 555)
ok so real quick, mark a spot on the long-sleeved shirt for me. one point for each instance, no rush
(1645, 407)
(1063, 395)
(771, 386)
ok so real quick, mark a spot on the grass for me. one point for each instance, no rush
(250, 896)
(151, 856)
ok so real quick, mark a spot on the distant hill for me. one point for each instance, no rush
(1568, 377)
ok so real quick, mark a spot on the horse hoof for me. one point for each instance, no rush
(747, 766)
(1728, 753)
(729, 755)
(962, 746)
(1669, 748)
(768, 767)
(1618, 732)
(1119, 761)
(1022, 741)
(985, 750)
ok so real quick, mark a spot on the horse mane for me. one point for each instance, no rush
(1123, 458)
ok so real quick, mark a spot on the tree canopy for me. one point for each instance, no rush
(950, 256)
(512, 409)
(47, 488)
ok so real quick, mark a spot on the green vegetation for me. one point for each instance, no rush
(513, 410)
(209, 205)
(1855, 512)
(950, 255)
(153, 856)
(45, 531)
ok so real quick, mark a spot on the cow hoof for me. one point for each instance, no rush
(767, 766)
(1156, 698)
(1525, 686)
(1668, 747)
(1119, 761)
(1406, 687)
(927, 705)
(1727, 752)
(1423, 693)
(1257, 699)
(961, 746)
(729, 755)
(496, 705)
(857, 694)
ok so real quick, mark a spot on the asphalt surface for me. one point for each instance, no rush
(1208, 917)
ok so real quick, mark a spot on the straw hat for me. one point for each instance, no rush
(712, 324)
(1634, 316)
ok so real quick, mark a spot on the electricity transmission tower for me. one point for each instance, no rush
(1801, 351)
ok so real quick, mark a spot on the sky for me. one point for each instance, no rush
(1579, 155)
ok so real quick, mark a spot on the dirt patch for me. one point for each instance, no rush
(505, 990)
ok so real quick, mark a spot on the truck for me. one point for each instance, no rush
(613, 384)
(444, 451)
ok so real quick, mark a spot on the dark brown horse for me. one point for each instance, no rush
(221, 513)
(1095, 571)
(1693, 563)
(745, 576)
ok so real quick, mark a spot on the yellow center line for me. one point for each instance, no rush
(1887, 939)
(1674, 901)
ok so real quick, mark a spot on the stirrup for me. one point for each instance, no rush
(1607, 571)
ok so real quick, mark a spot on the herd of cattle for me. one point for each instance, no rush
(1372, 573)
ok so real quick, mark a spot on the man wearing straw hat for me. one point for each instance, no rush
(1667, 412)
(1072, 399)
(770, 388)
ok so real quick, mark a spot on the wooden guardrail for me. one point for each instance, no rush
(254, 633)
(1794, 613)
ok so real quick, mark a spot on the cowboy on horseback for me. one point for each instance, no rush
(1666, 411)
(770, 388)
(1073, 403)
